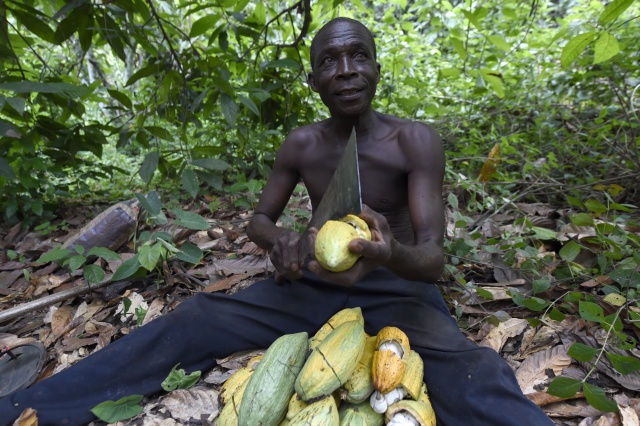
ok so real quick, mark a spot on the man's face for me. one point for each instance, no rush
(345, 72)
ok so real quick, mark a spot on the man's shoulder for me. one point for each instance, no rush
(308, 132)
(411, 129)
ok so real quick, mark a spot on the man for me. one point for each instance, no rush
(401, 166)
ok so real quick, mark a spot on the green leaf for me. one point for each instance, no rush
(484, 293)
(141, 73)
(149, 255)
(281, 63)
(5, 170)
(72, 90)
(190, 182)
(150, 202)
(126, 269)
(190, 220)
(499, 42)
(598, 399)
(615, 299)
(535, 304)
(544, 233)
(613, 10)
(249, 104)
(204, 24)
(76, 262)
(590, 311)
(582, 353)
(564, 387)
(575, 47)
(149, 166)
(458, 45)
(190, 253)
(35, 25)
(606, 48)
(122, 409)
(54, 255)
(93, 274)
(472, 18)
(211, 164)
(160, 132)
(624, 364)
(540, 285)
(229, 109)
(570, 251)
(103, 253)
(496, 84)
(120, 97)
(556, 315)
(179, 379)
(595, 206)
(582, 219)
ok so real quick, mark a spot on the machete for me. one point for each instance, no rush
(342, 195)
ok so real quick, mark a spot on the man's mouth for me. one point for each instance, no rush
(349, 92)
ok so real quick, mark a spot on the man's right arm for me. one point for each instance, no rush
(262, 228)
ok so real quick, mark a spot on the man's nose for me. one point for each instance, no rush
(346, 68)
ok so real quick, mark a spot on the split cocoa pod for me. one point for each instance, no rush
(390, 359)
(332, 242)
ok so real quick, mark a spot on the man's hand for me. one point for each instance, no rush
(375, 253)
(285, 257)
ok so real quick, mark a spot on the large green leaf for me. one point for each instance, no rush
(581, 352)
(613, 10)
(204, 24)
(598, 399)
(624, 364)
(229, 109)
(5, 169)
(35, 25)
(564, 387)
(127, 269)
(575, 47)
(211, 164)
(122, 409)
(149, 166)
(179, 379)
(190, 220)
(190, 182)
(149, 256)
(72, 90)
(606, 48)
(93, 273)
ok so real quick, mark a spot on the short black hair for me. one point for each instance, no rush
(325, 27)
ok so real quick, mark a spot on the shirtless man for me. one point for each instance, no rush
(401, 167)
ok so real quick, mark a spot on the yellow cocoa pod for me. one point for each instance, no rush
(233, 383)
(322, 412)
(413, 377)
(229, 413)
(359, 415)
(332, 242)
(332, 362)
(348, 314)
(389, 360)
(296, 404)
(420, 411)
(360, 385)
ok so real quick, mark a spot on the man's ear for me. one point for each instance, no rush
(378, 68)
(312, 82)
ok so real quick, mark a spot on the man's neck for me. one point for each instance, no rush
(365, 124)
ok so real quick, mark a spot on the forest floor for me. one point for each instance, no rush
(74, 328)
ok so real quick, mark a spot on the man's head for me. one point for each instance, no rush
(344, 70)
(328, 28)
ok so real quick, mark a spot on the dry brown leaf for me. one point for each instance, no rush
(238, 359)
(546, 337)
(570, 409)
(225, 283)
(251, 265)
(184, 404)
(60, 319)
(29, 417)
(543, 398)
(597, 282)
(533, 370)
(154, 310)
(499, 335)
(490, 164)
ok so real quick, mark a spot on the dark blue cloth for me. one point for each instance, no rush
(468, 384)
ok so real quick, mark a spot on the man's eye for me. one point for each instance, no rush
(360, 55)
(328, 60)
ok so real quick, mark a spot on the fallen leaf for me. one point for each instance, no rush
(498, 336)
(533, 370)
(29, 417)
(184, 404)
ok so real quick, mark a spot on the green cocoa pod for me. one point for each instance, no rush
(265, 400)
(359, 415)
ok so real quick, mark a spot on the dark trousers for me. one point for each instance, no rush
(468, 384)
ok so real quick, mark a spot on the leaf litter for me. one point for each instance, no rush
(74, 328)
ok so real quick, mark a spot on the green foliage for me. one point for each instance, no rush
(122, 409)
(179, 379)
